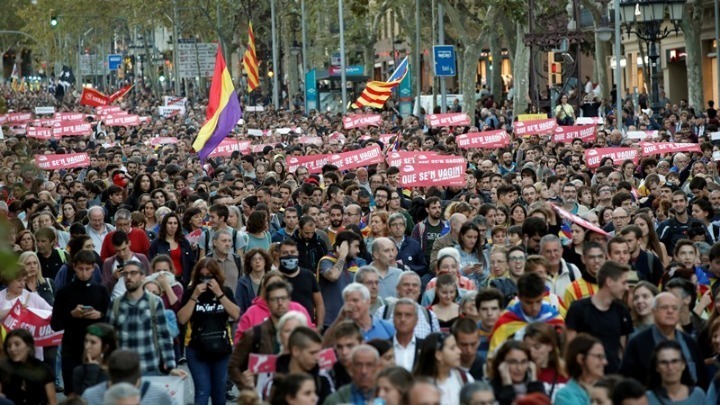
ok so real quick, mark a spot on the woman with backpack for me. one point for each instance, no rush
(207, 309)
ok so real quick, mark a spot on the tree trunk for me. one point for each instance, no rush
(600, 75)
(467, 85)
(521, 71)
(369, 59)
(497, 83)
(692, 28)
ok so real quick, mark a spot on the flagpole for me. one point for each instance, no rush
(343, 76)
(276, 93)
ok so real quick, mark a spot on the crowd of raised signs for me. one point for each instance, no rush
(440, 258)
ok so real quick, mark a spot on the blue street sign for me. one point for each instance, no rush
(444, 60)
(114, 61)
(311, 92)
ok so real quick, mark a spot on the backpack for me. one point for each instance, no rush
(207, 240)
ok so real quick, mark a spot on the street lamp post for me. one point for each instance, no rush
(604, 34)
(644, 18)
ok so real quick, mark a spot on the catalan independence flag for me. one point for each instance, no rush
(513, 320)
(376, 92)
(223, 110)
(250, 62)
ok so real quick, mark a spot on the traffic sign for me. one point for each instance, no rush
(444, 60)
(114, 61)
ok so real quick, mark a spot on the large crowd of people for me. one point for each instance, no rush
(539, 281)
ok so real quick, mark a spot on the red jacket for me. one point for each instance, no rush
(139, 243)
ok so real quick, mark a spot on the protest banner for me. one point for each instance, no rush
(67, 161)
(122, 120)
(16, 118)
(641, 135)
(310, 140)
(194, 237)
(72, 128)
(39, 133)
(104, 110)
(657, 148)
(589, 121)
(93, 98)
(593, 157)
(69, 116)
(49, 110)
(163, 140)
(262, 363)
(531, 117)
(400, 158)
(448, 120)
(424, 174)
(484, 140)
(535, 127)
(313, 163)
(36, 321)
(357, 158)
(361, 121)
(171, 110)
(585, 133)
(174, 101)
(577, 220)
(229, 145)
(174, 386)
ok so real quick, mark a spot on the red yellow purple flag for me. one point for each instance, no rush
(223, 110)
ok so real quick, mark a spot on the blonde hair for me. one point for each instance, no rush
(24, 256)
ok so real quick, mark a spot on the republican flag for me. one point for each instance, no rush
(376, 92)
(120, 93)
(223, 110)
(250, 62)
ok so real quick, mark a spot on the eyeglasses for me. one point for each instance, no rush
(131, 273)
(277, 300)
(622, 217)
(599, 356)
(396, 224)
(517, 258)
(671, 362)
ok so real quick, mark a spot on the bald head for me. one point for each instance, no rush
(457, 221)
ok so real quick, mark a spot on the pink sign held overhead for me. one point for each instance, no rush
(425, 174)
(448, 120)
(357, 158)
(657, 148)
(164, 140)
(485, 140)
(122, 120)
(361, 121)
(400, 158)
(313, 163)
(228, 146)
(535, 127)
(577, 220)
(593, 157)
(67, 161)
(568, 134)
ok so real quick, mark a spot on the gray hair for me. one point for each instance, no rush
(356, 287)
(363, 271)
(120, 391)
(549, 239)
(137, 264)
(408, 273)
(161, 212)
(678, 157)
(364, 348)
(122, 214)
(395, 217)
(663, 295)
(469, 390)
(382, 240)
(95, 208)
(469, 297)
(290, 315)
(405, 301)
(219, 233)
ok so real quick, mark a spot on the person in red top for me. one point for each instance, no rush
(542, 339)
(139, 242)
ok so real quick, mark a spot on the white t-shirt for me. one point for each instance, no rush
(451, 387)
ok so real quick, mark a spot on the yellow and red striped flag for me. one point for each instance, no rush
(377, 92)
(250, 62)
